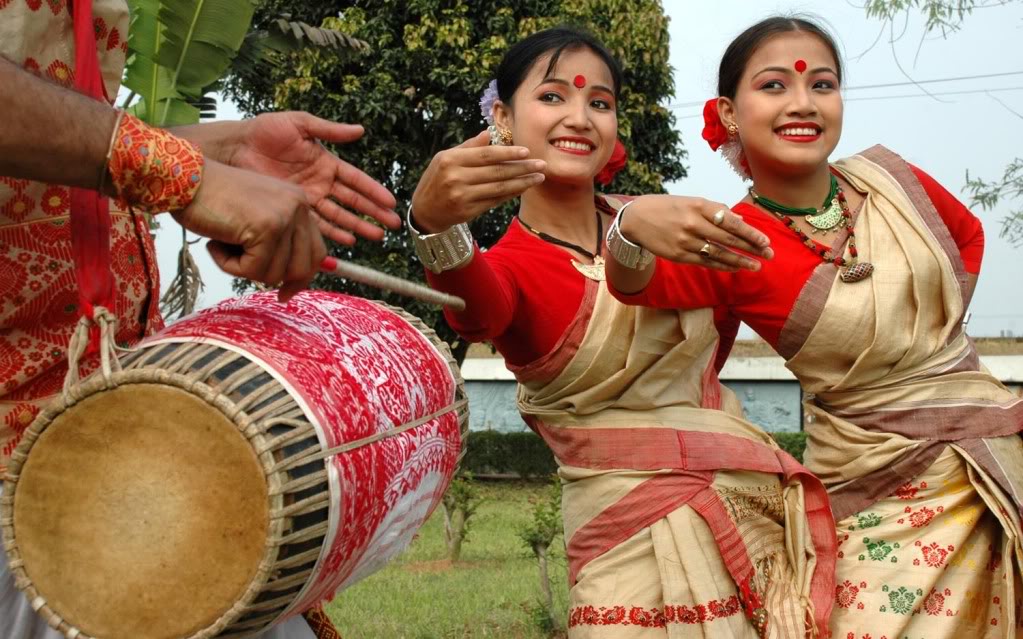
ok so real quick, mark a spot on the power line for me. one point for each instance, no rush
(680, 105)
(964, 77)
(897, 97)
(924, 95)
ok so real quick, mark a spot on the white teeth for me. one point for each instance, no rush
(798, 131)
(566, 144)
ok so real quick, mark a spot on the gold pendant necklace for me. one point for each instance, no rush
(593, 271)
(828, 220)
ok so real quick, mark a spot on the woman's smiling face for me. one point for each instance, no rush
(788, 105)
(567, 118)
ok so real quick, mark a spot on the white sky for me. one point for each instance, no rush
(944, 136)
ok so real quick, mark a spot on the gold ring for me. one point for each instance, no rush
(705, 251)
(719, 217)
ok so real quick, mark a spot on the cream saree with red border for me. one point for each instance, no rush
(917, 443)
(680, 521)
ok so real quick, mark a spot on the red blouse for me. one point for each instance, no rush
(765, 299)
(522, 294)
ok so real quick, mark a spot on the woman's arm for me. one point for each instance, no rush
(459, 185)
(966, 229)
(490, 293)
(49, 133)
(676, 229)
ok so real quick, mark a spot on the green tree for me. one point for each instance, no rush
(417, 92)
(948, 16)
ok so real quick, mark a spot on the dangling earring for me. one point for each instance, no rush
(499, 136)
(733, 128)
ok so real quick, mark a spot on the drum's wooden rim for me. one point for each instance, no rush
(97, 384)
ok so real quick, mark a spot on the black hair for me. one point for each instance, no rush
(742, 48)
(520, 58)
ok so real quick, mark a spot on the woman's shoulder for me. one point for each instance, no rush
(514, 239)
(518, 250)
(884, 157)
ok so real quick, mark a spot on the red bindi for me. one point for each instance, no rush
(579, 81)
(800, 65)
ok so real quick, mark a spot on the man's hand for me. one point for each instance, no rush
(260, 228)
(287, 146)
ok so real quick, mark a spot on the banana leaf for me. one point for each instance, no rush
(178, 48)
(179, 51)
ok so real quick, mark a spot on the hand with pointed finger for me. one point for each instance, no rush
(286, 145)
(693, 230)
(462, 183)
(260, 228)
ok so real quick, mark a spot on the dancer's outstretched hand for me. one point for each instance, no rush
(468, 180)
(693, 230)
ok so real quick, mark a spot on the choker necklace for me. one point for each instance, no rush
(850, 270)
(825, 220)
(593, 271)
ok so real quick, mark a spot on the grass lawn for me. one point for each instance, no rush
(489, 593)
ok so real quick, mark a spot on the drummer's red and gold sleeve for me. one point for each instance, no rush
(965, 228)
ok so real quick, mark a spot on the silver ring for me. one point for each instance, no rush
(705, 251)
(719, 217)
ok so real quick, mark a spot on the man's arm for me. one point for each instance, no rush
(261, 228)
(49, 133)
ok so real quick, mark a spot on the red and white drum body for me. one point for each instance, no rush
(357, 369)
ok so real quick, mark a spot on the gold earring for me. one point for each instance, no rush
(733, 129)
(500, 136)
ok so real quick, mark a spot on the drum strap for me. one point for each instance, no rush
(90, 211)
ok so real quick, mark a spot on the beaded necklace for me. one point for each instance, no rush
(829, 218)
(851, 270)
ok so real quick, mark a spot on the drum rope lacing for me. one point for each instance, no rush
(108, 349)
(359, 443)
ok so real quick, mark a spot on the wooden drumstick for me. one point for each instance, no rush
(370, 277)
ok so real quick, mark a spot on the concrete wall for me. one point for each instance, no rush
(772, 405)
(768, 391)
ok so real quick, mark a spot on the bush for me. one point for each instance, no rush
(538, 535)
(792, 443)
(489, 452)
(460, 503)
(524, 454)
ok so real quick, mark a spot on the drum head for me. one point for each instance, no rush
(141, 513)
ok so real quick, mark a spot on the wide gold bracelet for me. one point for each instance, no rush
(442, 251)
(628, 254)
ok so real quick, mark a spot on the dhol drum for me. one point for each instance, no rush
(246, 464)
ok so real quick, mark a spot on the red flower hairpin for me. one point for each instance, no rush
(714, 131)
